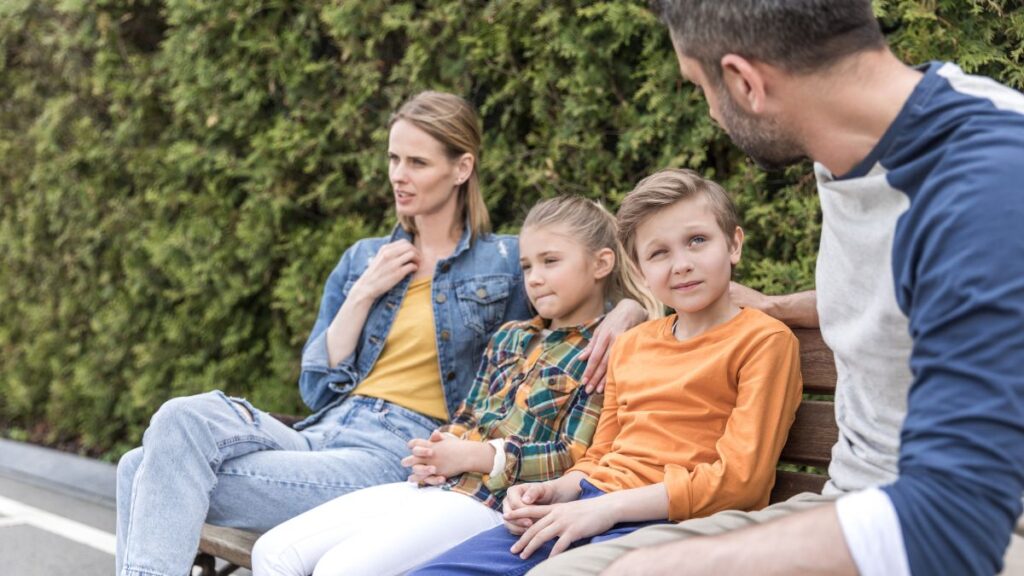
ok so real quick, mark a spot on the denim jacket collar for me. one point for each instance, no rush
(400, 233)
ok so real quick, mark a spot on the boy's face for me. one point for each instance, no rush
(686, 259)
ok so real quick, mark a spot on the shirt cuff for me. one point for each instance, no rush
(872, 531)
(315, 354)
(499, 457)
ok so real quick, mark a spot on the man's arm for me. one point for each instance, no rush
(808, 543)
(798, 310)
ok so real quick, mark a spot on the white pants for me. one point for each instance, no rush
(377, 531)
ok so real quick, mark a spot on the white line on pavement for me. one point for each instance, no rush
(98, 539)
(4, 522)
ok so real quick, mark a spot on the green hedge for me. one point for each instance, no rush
(179, 177)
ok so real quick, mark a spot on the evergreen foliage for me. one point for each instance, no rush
(179, 177)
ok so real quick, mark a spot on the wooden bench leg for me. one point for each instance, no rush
(208, 566)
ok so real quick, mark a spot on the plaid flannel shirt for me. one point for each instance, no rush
(534, 403)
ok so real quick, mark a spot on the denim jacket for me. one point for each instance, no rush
(474, 291)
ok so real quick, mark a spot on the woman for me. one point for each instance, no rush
(374, 375)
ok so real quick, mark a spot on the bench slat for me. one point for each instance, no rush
(230, 544)
(813, 433)
(789, 484)
(817, 363)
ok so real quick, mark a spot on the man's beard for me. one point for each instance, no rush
(763, 139)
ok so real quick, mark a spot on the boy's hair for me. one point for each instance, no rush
(663, 189)
(590, 223)
(800, 36)
(454, 123)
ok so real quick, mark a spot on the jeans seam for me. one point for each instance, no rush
(256, 439)
(130, 571)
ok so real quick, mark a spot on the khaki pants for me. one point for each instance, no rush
(594, 558)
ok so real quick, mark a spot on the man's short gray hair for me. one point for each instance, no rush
(800, 36)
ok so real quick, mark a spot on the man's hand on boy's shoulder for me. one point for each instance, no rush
(797, 310)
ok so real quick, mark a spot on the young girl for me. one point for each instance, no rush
(527, 418)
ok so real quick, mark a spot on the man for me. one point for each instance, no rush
(920, 294)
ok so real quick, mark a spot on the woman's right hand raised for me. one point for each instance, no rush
(392, 263)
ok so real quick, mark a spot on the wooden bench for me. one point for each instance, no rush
(809, 446)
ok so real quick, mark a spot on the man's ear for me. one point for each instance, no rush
(736, 249)
(604, 263)
(745, 83)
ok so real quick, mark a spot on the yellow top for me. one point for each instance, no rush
(407, 372)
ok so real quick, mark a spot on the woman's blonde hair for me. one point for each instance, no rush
(590, 223)
(454, 123)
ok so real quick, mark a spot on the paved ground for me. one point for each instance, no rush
(56, 513)
(43, 532)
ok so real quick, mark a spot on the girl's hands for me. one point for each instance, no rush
(568, 522)
(435, 460)
(392, 262)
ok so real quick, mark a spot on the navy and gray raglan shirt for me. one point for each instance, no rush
(920, 281)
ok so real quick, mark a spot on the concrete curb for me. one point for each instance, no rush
(70, 474)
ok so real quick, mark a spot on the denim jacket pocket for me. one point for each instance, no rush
(482, 302)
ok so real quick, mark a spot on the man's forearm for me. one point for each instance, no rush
(807, 543)
(799, 310)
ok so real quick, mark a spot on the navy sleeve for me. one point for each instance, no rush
(958, 260)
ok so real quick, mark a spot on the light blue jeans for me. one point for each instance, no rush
(210, 458)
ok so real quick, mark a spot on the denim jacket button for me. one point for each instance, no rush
(445, 266)
(440, 298)
(451, 376)
(481, 293)
(445, 335)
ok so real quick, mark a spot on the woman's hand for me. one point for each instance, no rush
(626, 314)
(442, 456)
(392, 262)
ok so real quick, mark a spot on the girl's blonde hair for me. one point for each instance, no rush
(454, 123)
(590, 223)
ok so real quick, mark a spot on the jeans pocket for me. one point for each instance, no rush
(482, 302)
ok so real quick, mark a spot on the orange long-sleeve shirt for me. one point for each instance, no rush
(707, 416)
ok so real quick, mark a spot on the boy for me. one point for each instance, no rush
(697, 405)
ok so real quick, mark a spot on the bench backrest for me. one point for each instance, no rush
(814, 431)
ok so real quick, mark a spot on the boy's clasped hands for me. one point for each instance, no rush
(542, 511)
